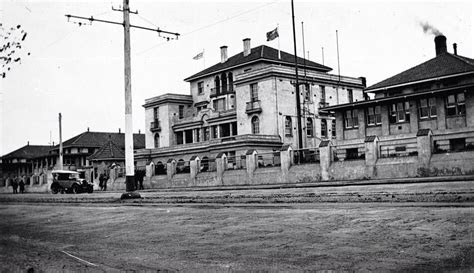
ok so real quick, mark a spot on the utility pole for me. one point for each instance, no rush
(60, 143)
(297, 86)
(129, 159)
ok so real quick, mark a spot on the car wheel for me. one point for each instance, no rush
(62, 191)
(90, 190)
(75, 189)
(54, 190)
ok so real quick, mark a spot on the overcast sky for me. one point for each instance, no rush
(78, 70)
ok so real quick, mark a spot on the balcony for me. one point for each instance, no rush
(222, 91)
(155, 126)
(253, 107)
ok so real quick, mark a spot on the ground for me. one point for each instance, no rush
(266, 236)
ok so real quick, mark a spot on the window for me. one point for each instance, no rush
(324, 128)
(224, 82)
(155, 113)
(333, 128)
(253, 92)
(179, 138)
(309, 127)
(288, 126)
(323, 93)
(217, 84)
(307, 92)
(205, 133)
(350, 95)
(255, 125)
(200, 88)
(351, 119)
(219, 104)
(455, 105)
(400, 112)
(374, 116)
(181, 111)
(157, 140)
(427, 108)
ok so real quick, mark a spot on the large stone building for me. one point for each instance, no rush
(247, 101)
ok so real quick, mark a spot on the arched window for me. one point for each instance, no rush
(224, 82)
(324, 128)
(255, 125)
(231, 81)
(157, 140)
(288, 126)
(309, 127)
(217, 84)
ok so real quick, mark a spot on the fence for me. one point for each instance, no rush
(408, 148)
(270, 159)
(208, 165)
(453, 145)
(306, 156)
(236, 162)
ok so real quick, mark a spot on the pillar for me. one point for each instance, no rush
(441, 113)
(325, 158)
(385, 122)
(425, 147)
(413, 117)
(339, 125)
(194, 166)
(371, 155)
(286, 161)
(221, 166)
(251, 162)
(170, 168)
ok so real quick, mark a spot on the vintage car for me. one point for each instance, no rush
(70, 182)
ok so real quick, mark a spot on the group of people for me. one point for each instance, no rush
(18, 182)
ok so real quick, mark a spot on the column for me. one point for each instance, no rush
(371, 155)
(339, 125)
(251, 162)
(413, 117)
(385, 122)
(361, 120)
(325, 158)
(424, 143)
(441, 113)
(286, 160)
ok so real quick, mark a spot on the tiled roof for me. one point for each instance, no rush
(29, 152)
(262, 53)
(98, 139)
(109, 151)
(442, 65)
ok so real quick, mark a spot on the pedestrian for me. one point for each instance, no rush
(137, 175)
(15, 185)
(101, 181)
(140, 178)
(22, 185)
(106, 178)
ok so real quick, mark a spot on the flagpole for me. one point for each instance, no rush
(278, 29)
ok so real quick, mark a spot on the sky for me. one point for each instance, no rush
(77, 69)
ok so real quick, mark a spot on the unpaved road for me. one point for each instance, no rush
(378, 237)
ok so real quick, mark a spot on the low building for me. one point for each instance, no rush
(247, 101)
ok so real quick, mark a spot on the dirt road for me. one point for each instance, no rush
(376, 237)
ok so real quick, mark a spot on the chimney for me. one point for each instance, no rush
(246, 46)
(455, 47)
(119, 131)
(87, 129)
(440, 44)
(28, 143)
(139, 131)
(223, 54)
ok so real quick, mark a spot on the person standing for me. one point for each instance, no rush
(101, 181)
(141, 174)
(15, 184)
(106, 178)
(22, 184)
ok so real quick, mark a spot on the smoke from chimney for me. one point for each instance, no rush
(429, 29)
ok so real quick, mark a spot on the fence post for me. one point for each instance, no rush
(286, 160)
(424, 142)
(194, 166)
(325, 158)
(221, 164)
(371, 155)
(170, 169)
(251, 161)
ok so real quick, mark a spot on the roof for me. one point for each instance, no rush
(98, 139)
(29, 152)
(444, 64)
(109, 151)
(261, 53)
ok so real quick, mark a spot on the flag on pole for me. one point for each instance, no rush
(271, 35)
(198, 56)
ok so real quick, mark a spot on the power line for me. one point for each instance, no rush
(210, 25)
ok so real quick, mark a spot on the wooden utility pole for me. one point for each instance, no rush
(297, 86)
(129, 160)
(60, 143)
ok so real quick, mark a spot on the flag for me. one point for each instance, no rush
(198, 56)
(271, 35)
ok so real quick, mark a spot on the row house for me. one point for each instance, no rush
(246, 101)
